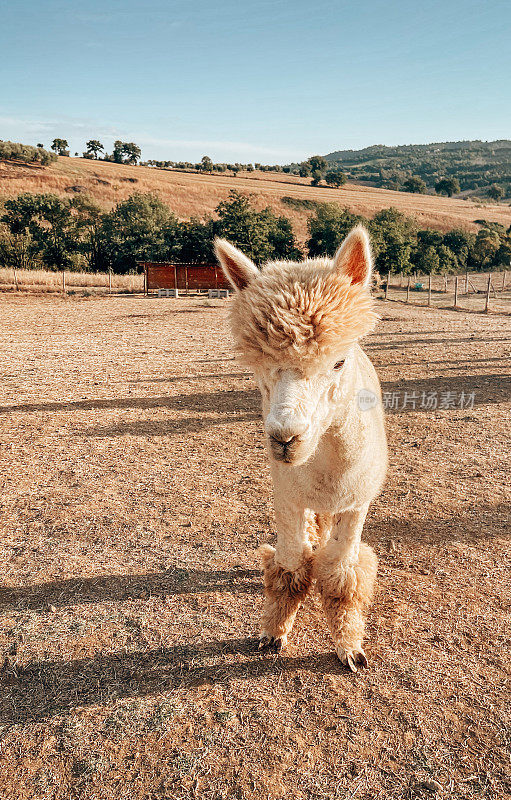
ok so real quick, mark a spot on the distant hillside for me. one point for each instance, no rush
(477, 165)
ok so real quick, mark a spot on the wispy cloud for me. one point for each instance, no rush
(226, 147)
(77, 131)
(73, 126)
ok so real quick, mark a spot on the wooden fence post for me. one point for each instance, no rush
(408, 289)
(387, 286)
(109, 281)
(429, 289)
(445, 284)
(15, 279)
(466, 282)
(456, 292)
(503, 281)
(488, 293)
(64, 281)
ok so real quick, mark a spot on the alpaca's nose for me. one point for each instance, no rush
(283, 439)
(285, 433)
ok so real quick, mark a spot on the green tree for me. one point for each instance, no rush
(88, 218)
(429, 261)
(118, 152)
(485, 248)
(393, 236)
(60, 146)
(50, 224)
(305, 169)
(429, 238)
(448, 186)
(137, 229)
(94, 147)
(335, 178)
(206, 164)
(414, 184)
(447, 259)
(316, 177)
(317, 163)
(192, 241)
(131, 152)
(496, 192)
(459, 242)
(56, 232)
(260, 234)
(281, 239)
(503, 255)
(17, 250)
(125, 153)
(328, 227)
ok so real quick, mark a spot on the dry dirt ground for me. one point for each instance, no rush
(189, 194)
(135, 490)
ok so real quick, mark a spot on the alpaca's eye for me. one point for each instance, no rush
(339, 365)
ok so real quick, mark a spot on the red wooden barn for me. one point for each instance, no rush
(185, 277)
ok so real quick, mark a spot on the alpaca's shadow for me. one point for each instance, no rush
(47, 688)
(111, 588)
(223, 402)
(244, 405)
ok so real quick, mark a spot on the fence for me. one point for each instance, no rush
(470, 291)
(39, 280)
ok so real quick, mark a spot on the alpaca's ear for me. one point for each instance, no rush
(353, 257)
(238, 268)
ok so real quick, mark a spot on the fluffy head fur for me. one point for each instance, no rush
(297, 315)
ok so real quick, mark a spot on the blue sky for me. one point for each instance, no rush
(270, 81)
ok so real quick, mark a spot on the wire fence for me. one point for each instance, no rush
(470, 291)
(68, 281)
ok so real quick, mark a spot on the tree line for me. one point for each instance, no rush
(123, 152)
(47, 231)
(131, 153)
(399, 245)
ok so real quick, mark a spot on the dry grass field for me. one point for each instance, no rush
(41, 280)
(135, 490)
(190, 194)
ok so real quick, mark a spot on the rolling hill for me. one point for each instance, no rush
(192, 194)
(476, 164)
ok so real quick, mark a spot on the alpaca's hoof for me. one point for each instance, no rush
(274, 643)
(352, 658)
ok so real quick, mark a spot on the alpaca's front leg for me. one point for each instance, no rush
(346, 570)
(287, 573)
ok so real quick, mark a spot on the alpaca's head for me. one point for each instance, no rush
(295, 324)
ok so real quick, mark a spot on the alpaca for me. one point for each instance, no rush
(297, 326)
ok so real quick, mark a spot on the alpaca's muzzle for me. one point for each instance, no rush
(284, 450)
